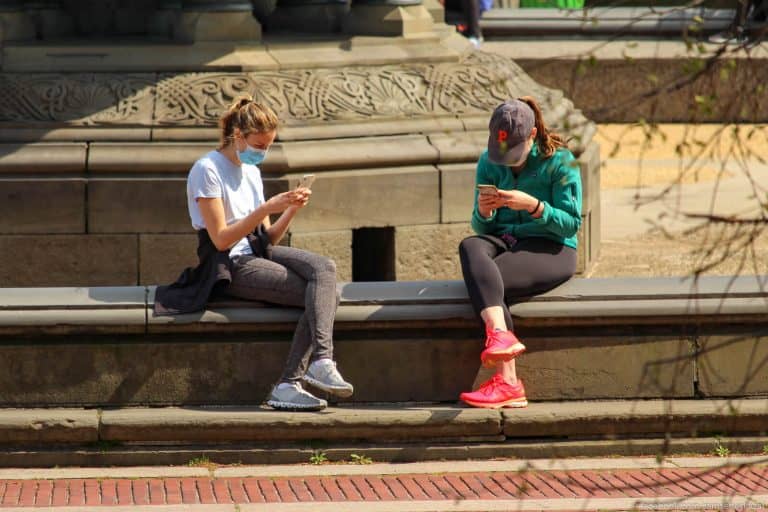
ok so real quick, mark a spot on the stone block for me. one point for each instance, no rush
(78, 134)
(138, 205)
(429, 252)
(436, 10)
(371, 198)
(36, 426)
(583, 262)
(238, 370)
(632, 417)
(124, 157)
(582, 368)
(68, 260)
(432, 366)
(336, 245)
(460, 146)
(589, 164)
(362, 423)
(388, 20)
(358, 153)
(16, 26)
(362, 51)
(128, 58)
(309, 17)
(210, 25)
(42, 205)
(298, 130)
(42, 158)
(108, 372)
(733, 364)
(162, 257)
(595, 235)
(457, 183)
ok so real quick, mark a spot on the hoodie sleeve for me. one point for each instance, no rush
(563, 215)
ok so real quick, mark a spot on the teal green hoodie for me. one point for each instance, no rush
(556, 181)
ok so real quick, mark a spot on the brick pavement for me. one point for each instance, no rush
(578, 489)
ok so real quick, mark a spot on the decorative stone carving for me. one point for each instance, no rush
(474, 84)
(469, 87)
(76, 99)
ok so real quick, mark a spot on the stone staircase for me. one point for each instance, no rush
(614, 366)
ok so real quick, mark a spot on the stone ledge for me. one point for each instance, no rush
(125, 157)
(368, 423)
(609, 20)
(647, 301)
(631, 417)
(387, 423)
(390, 452)
(42, 158)
(48, 426)
(20, 57)
(361, 51)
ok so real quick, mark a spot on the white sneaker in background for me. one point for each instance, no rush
(323, 375)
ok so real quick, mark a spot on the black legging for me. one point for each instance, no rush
(495, 273)
(746, 10)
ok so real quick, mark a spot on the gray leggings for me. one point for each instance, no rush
(293, 277)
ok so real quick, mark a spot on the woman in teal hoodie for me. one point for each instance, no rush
(526, 215)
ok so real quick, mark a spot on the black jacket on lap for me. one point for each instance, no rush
(213, 273)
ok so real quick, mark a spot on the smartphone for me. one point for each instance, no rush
(487, 189)
(306, 181)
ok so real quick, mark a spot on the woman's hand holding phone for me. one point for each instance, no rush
(302, 191)
(488, 199)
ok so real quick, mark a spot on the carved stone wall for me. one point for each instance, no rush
(472, 86)
(94, 164)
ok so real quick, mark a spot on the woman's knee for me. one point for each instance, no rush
(327, 265)
(466, 245)
(473, 246)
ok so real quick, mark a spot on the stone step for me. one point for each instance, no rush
(402, 432)
(396, 341)
(608, 20)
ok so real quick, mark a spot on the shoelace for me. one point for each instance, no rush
(495, 382)
(491, 336)
(328, 370)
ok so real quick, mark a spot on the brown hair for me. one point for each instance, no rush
(247, 115)
(548, 141)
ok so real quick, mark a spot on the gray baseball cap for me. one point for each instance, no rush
(510, 126)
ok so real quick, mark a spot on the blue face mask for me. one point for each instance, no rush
(252, 156)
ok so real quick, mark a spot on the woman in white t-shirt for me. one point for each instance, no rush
(225, 196)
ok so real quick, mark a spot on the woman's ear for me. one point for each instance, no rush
(534, 132)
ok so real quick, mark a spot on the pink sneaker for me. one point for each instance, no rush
(496, 393)
(500, 346)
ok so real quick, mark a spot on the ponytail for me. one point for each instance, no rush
(247, 115)
(547, 141)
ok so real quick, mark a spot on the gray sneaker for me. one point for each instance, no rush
(323, 375)
(294, 398)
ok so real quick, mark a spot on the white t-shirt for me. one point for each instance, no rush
(239, 187)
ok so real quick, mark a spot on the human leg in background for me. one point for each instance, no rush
(471, 10)
(736, 32)
(758, 14)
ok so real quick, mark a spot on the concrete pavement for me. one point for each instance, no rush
(652, 189)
